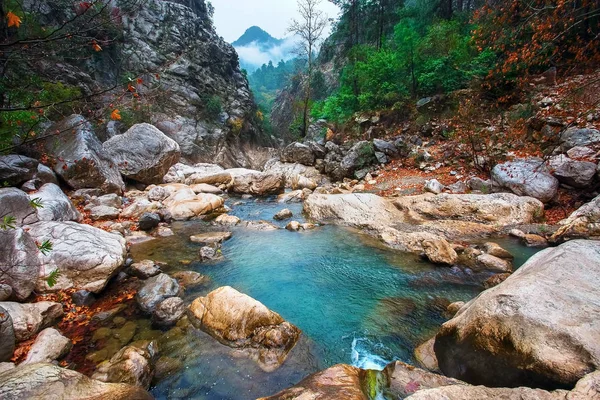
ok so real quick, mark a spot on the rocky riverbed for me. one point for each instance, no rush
(175, 281)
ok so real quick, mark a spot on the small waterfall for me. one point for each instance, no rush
(364, 357)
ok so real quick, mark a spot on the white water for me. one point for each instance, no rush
(364, 357)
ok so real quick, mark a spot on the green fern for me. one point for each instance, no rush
(8, 222)
(52, 279)
(45, 247)
(36, 203)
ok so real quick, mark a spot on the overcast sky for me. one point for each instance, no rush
(233, 17)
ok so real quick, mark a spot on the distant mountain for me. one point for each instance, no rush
(256, 35)
(257, 47)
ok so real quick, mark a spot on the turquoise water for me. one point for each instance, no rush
(355, 302)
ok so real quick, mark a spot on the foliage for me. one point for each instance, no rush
(45, 247)
(236, 125)
(213, 107)
(8, 222)
(52, 278)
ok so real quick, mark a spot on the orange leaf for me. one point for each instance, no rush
(96, 46)
(115, 115)
(139, 81)
(13, 19)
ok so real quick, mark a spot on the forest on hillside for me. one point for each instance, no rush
(389, 54)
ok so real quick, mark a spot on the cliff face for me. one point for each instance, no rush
(193, 89)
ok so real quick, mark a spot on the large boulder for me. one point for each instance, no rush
(578, 174)
(42, 381)
(540, 327)
(143, 153)
(17, 204)
(19, 262)
(526, 177)
(338, 382)
(298, 153)
(582, 223)
(361, 155)
(49, 345)
(7, 336)
(77, 156)
(246, 181)
(574, 137)
(156, 290)
(403, 380)
(56, 206)
(185, 204)
(239, 321)
(29, 318)
(291, 171)
(86, 257)
(16, 169)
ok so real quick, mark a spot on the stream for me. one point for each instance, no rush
(355, 301)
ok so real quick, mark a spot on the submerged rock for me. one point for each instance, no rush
(190, 279)
(210, 237)
(548, 311)
(239, 321)
(36, 381)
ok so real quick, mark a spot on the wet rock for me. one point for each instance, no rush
(7, 336)
(239, 321)
(86, 257)
(433, 186)
(165, 366)
(56, 206)
(131, 365)
(49, 345)
(530, 311)
(210, 237)
(17, 204)
(293, 226)
(208, 253)
(496, 250)
(79, 158)
(453, 308)
(33, 382)
(143, 153)
(578, 174)
(155, 290)
(16, 169)
(491, 263)
(256, 183)
(338, 382)
(227, 220)
(583, 223)
(298, 153)
(283, 214)
(425, 355)
(190, 279)
(19, 263)
(405, 380)
(28, 319)
(144, 269)
(168, 311)
(495, 280)
(573, 137)
(148, 221)
(526, 177)
(439, 252)
(485, 393)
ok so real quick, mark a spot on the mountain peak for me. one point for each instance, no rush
(258, 35)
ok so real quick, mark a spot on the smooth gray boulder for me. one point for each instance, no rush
(78, 157)
(49, 345)
(577, 137)
(7, 336)
(19, 262)
(86, 257)
(578, 174)
(56, 206)
(539, 328)
(16, 203)
(156, 290)
(256, 183)
(29, 318)
(526, 177)
(143, 153)
(42, 381)
(16, 169)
